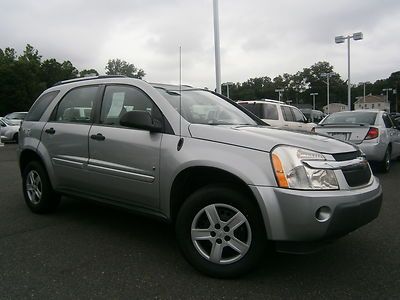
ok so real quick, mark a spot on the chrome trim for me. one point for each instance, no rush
(120, 173)
(333, 165)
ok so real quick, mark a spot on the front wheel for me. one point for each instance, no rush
(38, 192)
(220, 232)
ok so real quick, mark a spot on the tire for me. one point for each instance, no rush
(15, 138)
(213, 253)
(38, 192)
(385, 164)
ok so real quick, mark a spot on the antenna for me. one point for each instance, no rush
(180, 142)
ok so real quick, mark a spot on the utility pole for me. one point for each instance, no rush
(327, 75)
(313, 95)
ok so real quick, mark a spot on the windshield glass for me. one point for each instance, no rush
(351, 118)
(17, 116)
(203, 107)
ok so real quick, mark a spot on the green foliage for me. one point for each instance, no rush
(121, 67)
(297, 87)
(90, 72)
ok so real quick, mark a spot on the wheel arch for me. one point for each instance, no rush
(196, 177)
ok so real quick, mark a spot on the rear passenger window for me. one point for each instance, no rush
(118, 100)
(77, 105)
(270, 111)
(387, 121)
(40, 105)
(298, 115)
(287, 114)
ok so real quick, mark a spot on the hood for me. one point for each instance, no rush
(264, 138)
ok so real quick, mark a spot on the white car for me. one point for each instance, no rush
(278, 114)
(374, 132)
(8, 131)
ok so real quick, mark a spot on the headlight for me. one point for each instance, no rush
(291, 172)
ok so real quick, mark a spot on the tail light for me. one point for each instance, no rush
(373, 133)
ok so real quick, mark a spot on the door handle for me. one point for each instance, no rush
(50, 131)
(98, 137)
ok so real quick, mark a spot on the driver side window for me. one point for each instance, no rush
(120, 99)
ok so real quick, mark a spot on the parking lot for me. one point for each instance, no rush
(86, 250)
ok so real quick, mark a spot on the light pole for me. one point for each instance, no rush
(217, 48)
(279, 91)
(340, 39)
(227, 84)
(313, 97)
(327, 75)
(387, 95)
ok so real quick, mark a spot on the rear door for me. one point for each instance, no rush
(65, 137)
(124, 162)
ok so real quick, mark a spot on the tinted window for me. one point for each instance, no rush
(255, 108)
(387, 121)
(287, 114)
(262, 110)
(38, 108)
(119, 100)
(349, 117)
(270, 111)
(76, 106)
(298, 116)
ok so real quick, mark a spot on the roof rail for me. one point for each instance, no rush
(88, 78)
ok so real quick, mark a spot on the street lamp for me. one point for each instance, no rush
(313, 101)
(279, 91)
(227, 84)
(217, 48)
(339, 40)
(327, 75)
(387, 93)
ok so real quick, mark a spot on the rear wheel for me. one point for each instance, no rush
(386, 163)
(221, 232)
(38, 192)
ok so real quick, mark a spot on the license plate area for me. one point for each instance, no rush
(343, 136)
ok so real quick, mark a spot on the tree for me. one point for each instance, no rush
(121, 67)
(90, 72)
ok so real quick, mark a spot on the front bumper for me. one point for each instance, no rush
(291, 215)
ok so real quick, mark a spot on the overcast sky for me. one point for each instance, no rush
(258, 37)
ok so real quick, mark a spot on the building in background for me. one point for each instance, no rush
(372, 102)
(334, 107)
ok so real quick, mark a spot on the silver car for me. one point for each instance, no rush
(374, 132)
(8, 131)
(191, 157)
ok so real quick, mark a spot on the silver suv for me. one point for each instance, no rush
(228, 182)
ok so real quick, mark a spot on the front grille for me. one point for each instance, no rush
(357, 175)
(346, 155)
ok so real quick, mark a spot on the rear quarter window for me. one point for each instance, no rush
(40, 105)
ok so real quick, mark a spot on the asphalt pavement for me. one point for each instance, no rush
(89, 251)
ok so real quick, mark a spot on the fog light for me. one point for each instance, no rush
(323, 214)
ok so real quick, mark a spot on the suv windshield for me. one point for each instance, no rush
(351, 118)
(203, 107)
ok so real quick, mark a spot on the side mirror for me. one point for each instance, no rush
(140, 119)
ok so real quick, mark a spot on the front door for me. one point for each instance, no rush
(124, 162)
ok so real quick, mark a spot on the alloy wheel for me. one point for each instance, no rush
(34, 187)
(221, 233)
